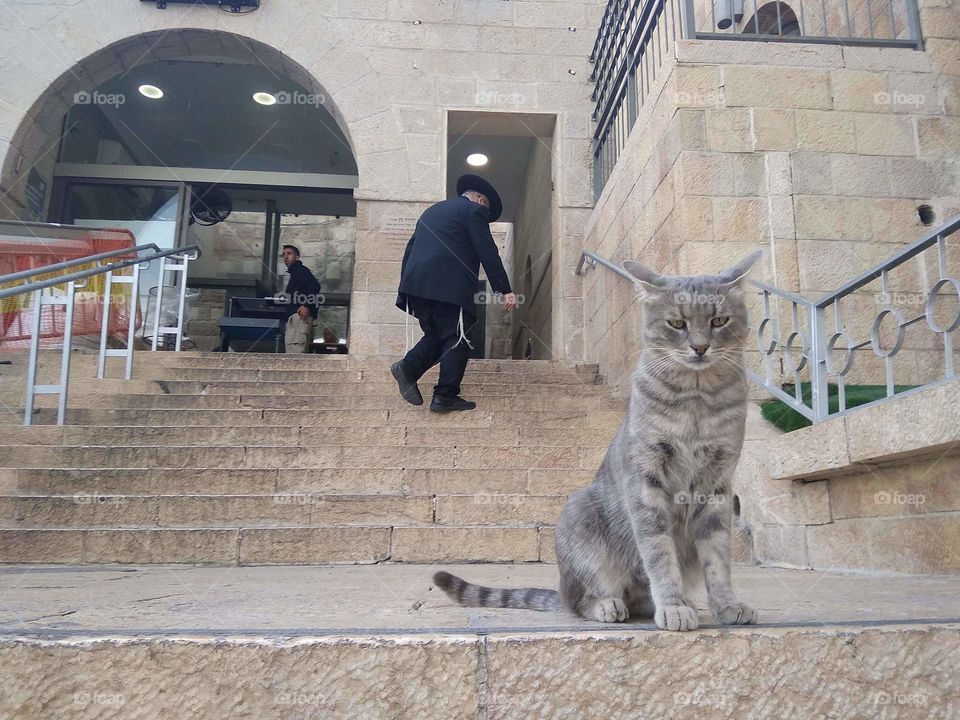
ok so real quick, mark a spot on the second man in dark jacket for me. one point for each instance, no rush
(439, 284)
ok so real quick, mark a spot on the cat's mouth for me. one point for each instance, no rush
(698, 362)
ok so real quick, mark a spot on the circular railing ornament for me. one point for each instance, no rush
(832, 347)
(772, 346)
(788, 350)
(875, 333)
(931, 298)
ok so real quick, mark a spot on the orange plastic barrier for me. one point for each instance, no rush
(25, 253)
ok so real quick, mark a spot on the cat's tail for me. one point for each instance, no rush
(472, 595)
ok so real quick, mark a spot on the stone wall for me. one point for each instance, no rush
(820, 155)
(499, 329)
(875, 490)
(533, 258)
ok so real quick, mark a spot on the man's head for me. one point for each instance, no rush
(291, 253)
(478, 198)
(475, 187)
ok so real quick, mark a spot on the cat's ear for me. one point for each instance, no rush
(735, 275)
(643, 277)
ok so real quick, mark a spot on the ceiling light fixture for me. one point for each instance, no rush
(151, 91)
(476, 159)
(264, 98)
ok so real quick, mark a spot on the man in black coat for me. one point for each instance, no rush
(438, 286)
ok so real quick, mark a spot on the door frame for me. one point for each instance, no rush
(58, 197)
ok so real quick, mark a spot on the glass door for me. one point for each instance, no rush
(153, 212)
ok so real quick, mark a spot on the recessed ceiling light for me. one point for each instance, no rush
(151, 91)
(264, 98)
(477, 159)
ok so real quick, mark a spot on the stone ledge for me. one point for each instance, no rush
(836, 672)
(725, 52)
(380, 642)
(916, 425)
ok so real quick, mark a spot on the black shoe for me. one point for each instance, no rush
(408, 388)
(442, 403)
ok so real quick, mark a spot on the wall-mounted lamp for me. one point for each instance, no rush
(729, 12)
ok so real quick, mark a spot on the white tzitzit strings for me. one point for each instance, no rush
(463, 333)
(406, 327)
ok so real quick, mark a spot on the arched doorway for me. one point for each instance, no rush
(774, 18)
(146, 132)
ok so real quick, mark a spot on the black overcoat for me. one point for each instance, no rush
(443, 257)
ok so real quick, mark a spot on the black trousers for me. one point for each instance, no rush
(441, 342)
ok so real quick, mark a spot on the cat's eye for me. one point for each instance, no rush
(677, 324)
(719, 321)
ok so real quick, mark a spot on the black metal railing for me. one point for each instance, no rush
(636, 35)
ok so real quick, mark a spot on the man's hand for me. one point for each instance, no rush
(509, 301)
(304, 312)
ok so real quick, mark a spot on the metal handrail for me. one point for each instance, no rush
(20, 275)
(84, 274)
(929, 240)
(186, 254)
(600, 260)
(810, 347)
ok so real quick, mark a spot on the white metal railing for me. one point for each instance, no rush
(820, 347)
(76, 279)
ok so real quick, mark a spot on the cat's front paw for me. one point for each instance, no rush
(676, 617)
(737, 614)
(610, 610)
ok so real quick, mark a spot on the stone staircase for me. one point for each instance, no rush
(259, 459)
(127, 536)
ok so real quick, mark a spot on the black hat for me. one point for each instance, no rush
(478, 184)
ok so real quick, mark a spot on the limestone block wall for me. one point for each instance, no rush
(533, 258)
(499, 328)
(820, 155)
(875, 490)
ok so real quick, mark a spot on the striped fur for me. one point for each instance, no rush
(471, 595)
(655, 522)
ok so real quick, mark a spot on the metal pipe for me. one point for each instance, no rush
(71, 263)
(83, 274)
(598, 260)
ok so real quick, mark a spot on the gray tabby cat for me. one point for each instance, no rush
(658, 513)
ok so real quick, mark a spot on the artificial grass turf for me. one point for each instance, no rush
(788, 419)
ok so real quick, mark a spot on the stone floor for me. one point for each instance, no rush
(61, 601)
(378, 643)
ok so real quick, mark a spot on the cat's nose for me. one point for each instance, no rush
(700, 350)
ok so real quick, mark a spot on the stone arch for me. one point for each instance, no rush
(356, 96)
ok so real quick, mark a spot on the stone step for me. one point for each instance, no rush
(480, 418)
(268, 361)
(360, 456)
(328, 402)
(310, 545)
(293, 642)
(371, 389)
(261, 481)
(278, 509)
(381, 376)
(307, 437)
